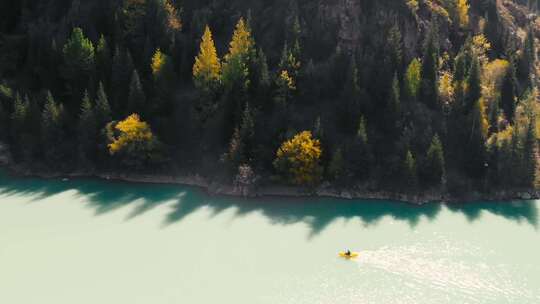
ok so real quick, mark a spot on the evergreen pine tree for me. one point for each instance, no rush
(395, 50)
(236, 72)
(528, 174)
(434, 168)
(103, 61)
(164, 79)
(358, 155)
(413, 79)
(474, 91)
(460, 66)
(508, 94)
(122, 69)
(289, 62)
(263, 77)
(336, 168)
(393, 109)
(349, 106)
(429, 86)
(410, 175)
(137, 98)
(475, 144)
(247, 131)
(51, 128)
(236, 153)
(102, 108)
(18, 117)
(87, 131)
(79, 63)
(527, 59)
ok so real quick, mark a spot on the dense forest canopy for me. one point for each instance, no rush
(389, 93)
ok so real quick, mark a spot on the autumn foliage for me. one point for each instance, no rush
(207, 67)
(134, 141)
(299, 159)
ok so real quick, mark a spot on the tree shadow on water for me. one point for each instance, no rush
(316, 213)
(518, 211)
(101, 196)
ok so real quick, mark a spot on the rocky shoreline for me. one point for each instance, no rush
(216, 188)
(324, 191)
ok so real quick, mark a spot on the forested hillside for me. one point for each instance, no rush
(386, 94)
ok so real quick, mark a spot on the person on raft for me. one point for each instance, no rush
(348, 253)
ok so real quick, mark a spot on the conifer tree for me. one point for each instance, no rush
(103, 61)
(162, 22)
(508, 94)
(289, 62)
(475, 144)
(147, 54)
(137, 98)
(236, 153)
(88, 131)
(102, 109)
(296, 32)
(207, 67)
(51, 128)
(529, 164)
(25, 127)
(19, 117)
(393, 108)
(264, 74)
(285, 86)
(348, 108)
(79, 62)
(530, 47)
(122, 69)
(336, 168)
(413, 79)
(164, 79)
(54, 66)
(241, 45)
(474, 89)
(434, 168)
(410, 175)
(527, 59)
(428, 85)
(395, 51)
(460, 66)
(236, 71)
(247, 130)
(358, 156)
(460, 13)
(259, 77)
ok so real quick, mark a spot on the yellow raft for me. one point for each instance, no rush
(353, 255)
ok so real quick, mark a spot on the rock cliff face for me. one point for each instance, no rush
(359, 22)
(357, 25)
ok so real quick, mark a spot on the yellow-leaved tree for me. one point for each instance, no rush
(207, 67)
(158, 61)
(462, 13)
(299, 159)
(285, 86)
(133, 140)
(164, 80)
(241, 47)
(241, 43)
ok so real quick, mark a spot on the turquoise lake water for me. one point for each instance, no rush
(90, 242)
